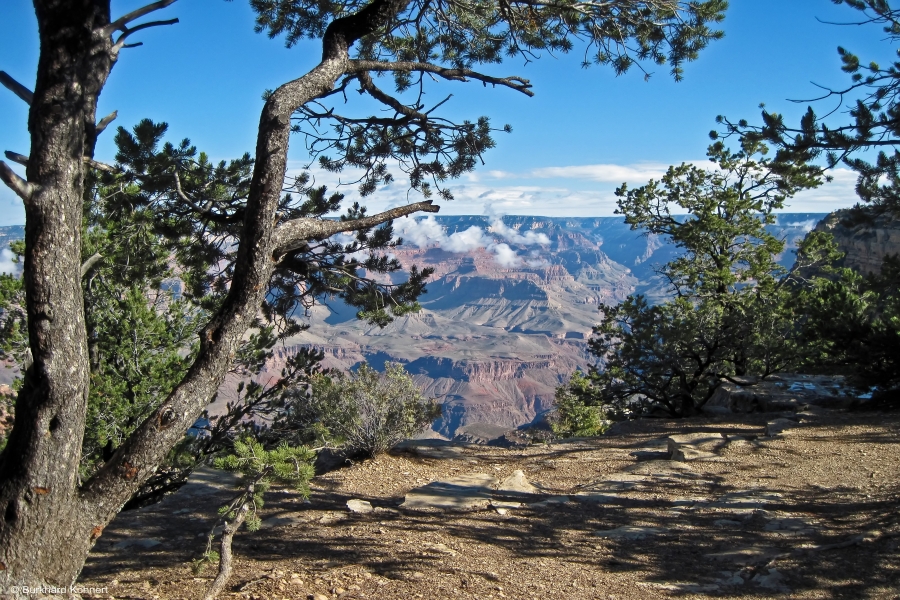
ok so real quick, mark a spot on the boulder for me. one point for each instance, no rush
(517, 483)
(780, 392)
(359, 506)
(464, 492)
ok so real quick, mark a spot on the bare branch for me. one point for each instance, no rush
(516, 83)
(99, 165)
(17, 158)
(120, 43)
(22, 188)
(89, 263)
(367, 84)
(16, 88)
(292, 234)
(105, 121)
(121, 23)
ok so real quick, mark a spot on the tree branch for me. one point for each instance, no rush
(369, 86)
(17, 158)
(16, 88)
(516, 83)
(22, 188)
(89, 263)
(99, 165)
(105, 121)
(293, 234)
(120, 43)
(121, 23)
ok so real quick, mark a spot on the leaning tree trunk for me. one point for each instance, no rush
(49, 523)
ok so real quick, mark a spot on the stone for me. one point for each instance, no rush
(284, 520)
(658, 468)
(745, 502)
(517, 483)
(435, 449)
(145, 543)
(441, 549)
(698, 441)
(630, 532)
(600, 497)
(789, 525)
(359, 506)
(688, 454)
(745, 555)
(331, 516)
(550, 502)
(773, 580)
(502, 511)
(779, 426)
(464, 492)
(505, 504)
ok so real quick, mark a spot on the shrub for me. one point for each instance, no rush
(371, 412)
(573, 416)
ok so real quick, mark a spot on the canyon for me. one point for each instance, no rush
(510, 307)
(506, 320)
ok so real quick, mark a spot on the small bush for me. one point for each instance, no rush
(371, 412)
(574, 417)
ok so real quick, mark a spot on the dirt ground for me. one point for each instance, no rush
(811, 513)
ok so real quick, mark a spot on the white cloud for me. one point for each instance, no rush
(7, 265)
(506, 256)
(528, 239)
(576, 191)
(427, 232)
(639, 173)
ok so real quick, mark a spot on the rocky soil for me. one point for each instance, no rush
(811, 510)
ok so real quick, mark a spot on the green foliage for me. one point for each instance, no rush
(873, 105)
(13, 332)
(731, 314)
(464, 34)
(259, 468)
(852, 324)
(363, 411)
(575, 417)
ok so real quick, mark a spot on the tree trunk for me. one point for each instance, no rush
(44, 536)
(225, 555)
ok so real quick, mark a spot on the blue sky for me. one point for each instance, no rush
(585, 131)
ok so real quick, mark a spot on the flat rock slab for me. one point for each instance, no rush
(551, 502)
(745, 556)
(689, 454)
(600, 498)
(700, 441)
(745, 502)
(618, 482)
(145, 543)
(630, 532)
(359, 506)
(284, 520)
(465, 492)
(658, 468)
(517, 483)
(789, 525)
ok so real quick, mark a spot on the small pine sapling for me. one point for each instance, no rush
(259, 468)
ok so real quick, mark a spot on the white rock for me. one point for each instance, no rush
(359, 506)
